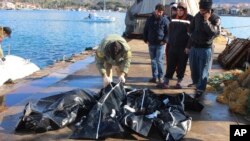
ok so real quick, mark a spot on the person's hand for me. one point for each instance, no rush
(163, 43)
(187, 50)
(207, 15)
(122, 78)
(106, 80)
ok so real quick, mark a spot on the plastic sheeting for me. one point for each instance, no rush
(114, 110)
(102, 120)
(56, 111)
(144, 110)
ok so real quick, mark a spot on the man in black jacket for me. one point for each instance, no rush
(155, 35)
(178, 37)
(204, 28)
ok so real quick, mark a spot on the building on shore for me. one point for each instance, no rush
(7, 5)
(221, 10)
(234, 11)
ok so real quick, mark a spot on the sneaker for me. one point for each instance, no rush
(191, 85)
(178, 86)
(152, 80)
(162, 86)
(161, 80)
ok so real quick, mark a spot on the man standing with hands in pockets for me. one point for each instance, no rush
(155, 35)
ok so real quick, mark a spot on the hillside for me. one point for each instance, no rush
(231, 1)
(98, 4)
(89, 4)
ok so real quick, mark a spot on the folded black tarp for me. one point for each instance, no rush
(56, 111)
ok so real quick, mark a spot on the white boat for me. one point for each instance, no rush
(15, 67)
(93, 17)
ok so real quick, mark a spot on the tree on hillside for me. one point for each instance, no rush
(95, 4)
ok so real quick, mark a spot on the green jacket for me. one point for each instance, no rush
(102, 57)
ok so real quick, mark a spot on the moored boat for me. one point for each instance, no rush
(93, 17)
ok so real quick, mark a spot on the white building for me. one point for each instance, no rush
(234, 10)
(8, 5)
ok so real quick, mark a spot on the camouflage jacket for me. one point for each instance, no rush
(123, 60)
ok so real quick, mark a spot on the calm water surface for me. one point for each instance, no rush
(47, 35)
(235, 25)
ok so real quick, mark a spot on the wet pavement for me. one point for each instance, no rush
(210, 124)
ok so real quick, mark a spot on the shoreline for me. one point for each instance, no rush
(228, 15)
(62, 64)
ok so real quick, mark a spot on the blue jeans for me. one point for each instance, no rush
(200, 64)
(156, 53)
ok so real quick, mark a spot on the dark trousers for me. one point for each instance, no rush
(176, 58)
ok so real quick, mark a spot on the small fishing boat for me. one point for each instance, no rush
(93, 17)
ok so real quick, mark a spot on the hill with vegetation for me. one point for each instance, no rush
(88, 4)
(98, 4)
(231, 1)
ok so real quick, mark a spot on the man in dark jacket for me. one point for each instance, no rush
(178, 37)
(155, 35)
(172, 14)
(204, 28)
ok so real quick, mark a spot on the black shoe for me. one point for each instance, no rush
(152, 80)
(162, 86)
(198, 94)
(178, 86)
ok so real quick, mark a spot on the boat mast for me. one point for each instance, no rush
(104, 7)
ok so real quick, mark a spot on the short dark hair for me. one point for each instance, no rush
(115, 48)
(160, 7)
(7, 30)
(205, 4)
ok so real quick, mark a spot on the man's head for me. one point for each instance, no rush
(173, 7)
(205, 4)
(7, 31)
(159, 10)
(115, 48)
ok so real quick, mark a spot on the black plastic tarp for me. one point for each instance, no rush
(114, 110)
(172, 121)
(145, 109)
(56, 111)
(102, 120)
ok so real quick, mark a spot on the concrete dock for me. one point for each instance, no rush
(212, 123)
